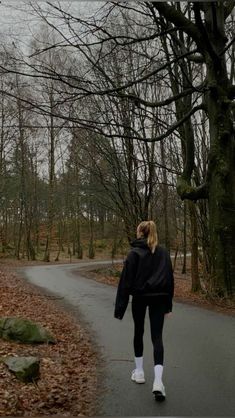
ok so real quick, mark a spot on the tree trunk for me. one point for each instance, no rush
(196, 286)
(51, 181)
(221, 173)
(91, 253)
(221, 188)
(79, 250)
(20, 231)
(184, 239)
(165, 197)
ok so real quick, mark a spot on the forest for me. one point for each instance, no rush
(115, 116)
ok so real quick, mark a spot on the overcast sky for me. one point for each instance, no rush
(18, 24)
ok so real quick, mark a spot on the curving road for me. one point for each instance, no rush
(199, 373)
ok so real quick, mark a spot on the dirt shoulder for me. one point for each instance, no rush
(110, 275)
(68, 381)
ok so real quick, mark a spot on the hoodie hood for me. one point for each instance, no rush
(140, 243)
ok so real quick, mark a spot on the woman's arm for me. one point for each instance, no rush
(171, 284)
(125, 285)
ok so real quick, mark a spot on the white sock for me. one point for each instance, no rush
(158, 370)
(139, 363)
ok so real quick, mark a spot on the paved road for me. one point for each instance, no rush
(199, 374)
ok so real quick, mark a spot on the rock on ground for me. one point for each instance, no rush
(24, 331)
(26, 369)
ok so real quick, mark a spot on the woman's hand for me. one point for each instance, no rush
(168, 315)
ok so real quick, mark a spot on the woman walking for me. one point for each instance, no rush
(147, 275)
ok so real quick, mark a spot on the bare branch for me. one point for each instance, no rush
(229, 6)
(200, 88)
(179, 20)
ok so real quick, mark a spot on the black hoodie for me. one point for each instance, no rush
(145, 273)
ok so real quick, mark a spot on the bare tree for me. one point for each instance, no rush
(181, 39)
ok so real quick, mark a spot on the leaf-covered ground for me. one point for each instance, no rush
(67, 385)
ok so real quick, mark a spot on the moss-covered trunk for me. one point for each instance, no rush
(221, 187)
(221, 169)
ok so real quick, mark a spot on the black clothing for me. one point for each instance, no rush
(156, 306)
(145, 273)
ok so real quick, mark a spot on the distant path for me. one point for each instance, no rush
(199, 374)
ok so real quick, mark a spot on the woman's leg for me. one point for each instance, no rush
(156, 316)
(138, 312)
(157, 309)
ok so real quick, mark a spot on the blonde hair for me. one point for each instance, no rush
(147, 229)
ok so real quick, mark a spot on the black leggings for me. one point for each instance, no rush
(157, 309)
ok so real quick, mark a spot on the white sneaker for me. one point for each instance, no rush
(138, 376)
(159, 391)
